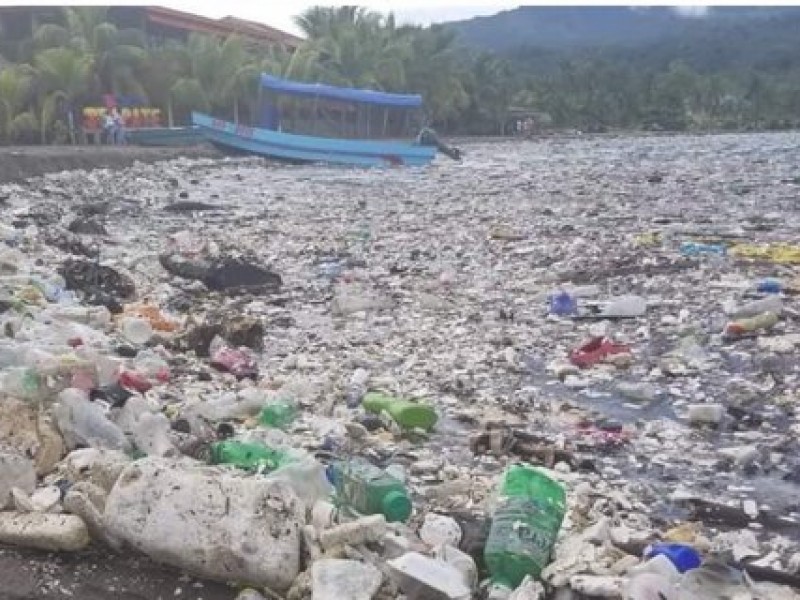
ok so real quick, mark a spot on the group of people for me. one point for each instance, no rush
(113, 127)
(525, 127)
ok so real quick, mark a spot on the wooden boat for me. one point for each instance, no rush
(341, 125)
(165, 136)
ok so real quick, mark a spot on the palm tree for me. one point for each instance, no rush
(164, 67)
(115, 56)
(15, 88)
(319, 22)
(63, 74)
(434, 69)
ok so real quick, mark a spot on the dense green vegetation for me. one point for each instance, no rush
(607, 67)
(730, 74)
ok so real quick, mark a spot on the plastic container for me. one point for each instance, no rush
(769, 286)
(248, 455)
(682, 556)
(563, 304)
(407, 414)
(367, 490)
(711, 414)
(236, 361)
(529, 513)
(279, 413)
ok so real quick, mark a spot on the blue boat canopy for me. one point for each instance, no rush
(330, 92)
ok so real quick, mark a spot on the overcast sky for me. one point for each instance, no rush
(279, 13)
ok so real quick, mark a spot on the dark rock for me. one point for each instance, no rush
(94, 208)
(182, 426)
(182, 267)
(87, 226)
(236, 274)
(126, 351)
(69, 242)
(101, 284)
(191, 206)
(183, 194)
(237, 331)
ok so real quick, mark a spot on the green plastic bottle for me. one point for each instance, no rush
(525, 525)
(279, 414)
(248, 455)
(368, 490)
(407, 414)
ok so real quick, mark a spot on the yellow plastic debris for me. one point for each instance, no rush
(786, 254)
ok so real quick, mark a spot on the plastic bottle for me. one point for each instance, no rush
(713, 580)
(530, 510)
(94, 316)
(695, 249)
(279, 413)
(769, 286)
(752, 309)
(742, 326)
(248, 455)
(84, 423)
(562, 304)
(407, 414)
(357, 388)
(24, 383)
(367, 490)
(682, 556)
(151, 435)
(152, 366)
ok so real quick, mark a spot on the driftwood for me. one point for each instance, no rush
(721, 514)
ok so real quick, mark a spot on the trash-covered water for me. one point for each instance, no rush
(436, 281)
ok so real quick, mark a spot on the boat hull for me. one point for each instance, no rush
(302, 148)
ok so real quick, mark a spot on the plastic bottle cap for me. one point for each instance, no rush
(396, 506)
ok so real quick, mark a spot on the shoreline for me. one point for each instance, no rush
(18, 163)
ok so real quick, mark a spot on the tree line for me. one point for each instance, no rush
(70, 64)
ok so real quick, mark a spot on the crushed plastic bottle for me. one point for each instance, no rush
(84, 423)
(405, 413)
(278, 413)
(525, 524)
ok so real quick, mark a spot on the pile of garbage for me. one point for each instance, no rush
(447, 384)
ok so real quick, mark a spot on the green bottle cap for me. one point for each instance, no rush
(396, 506)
